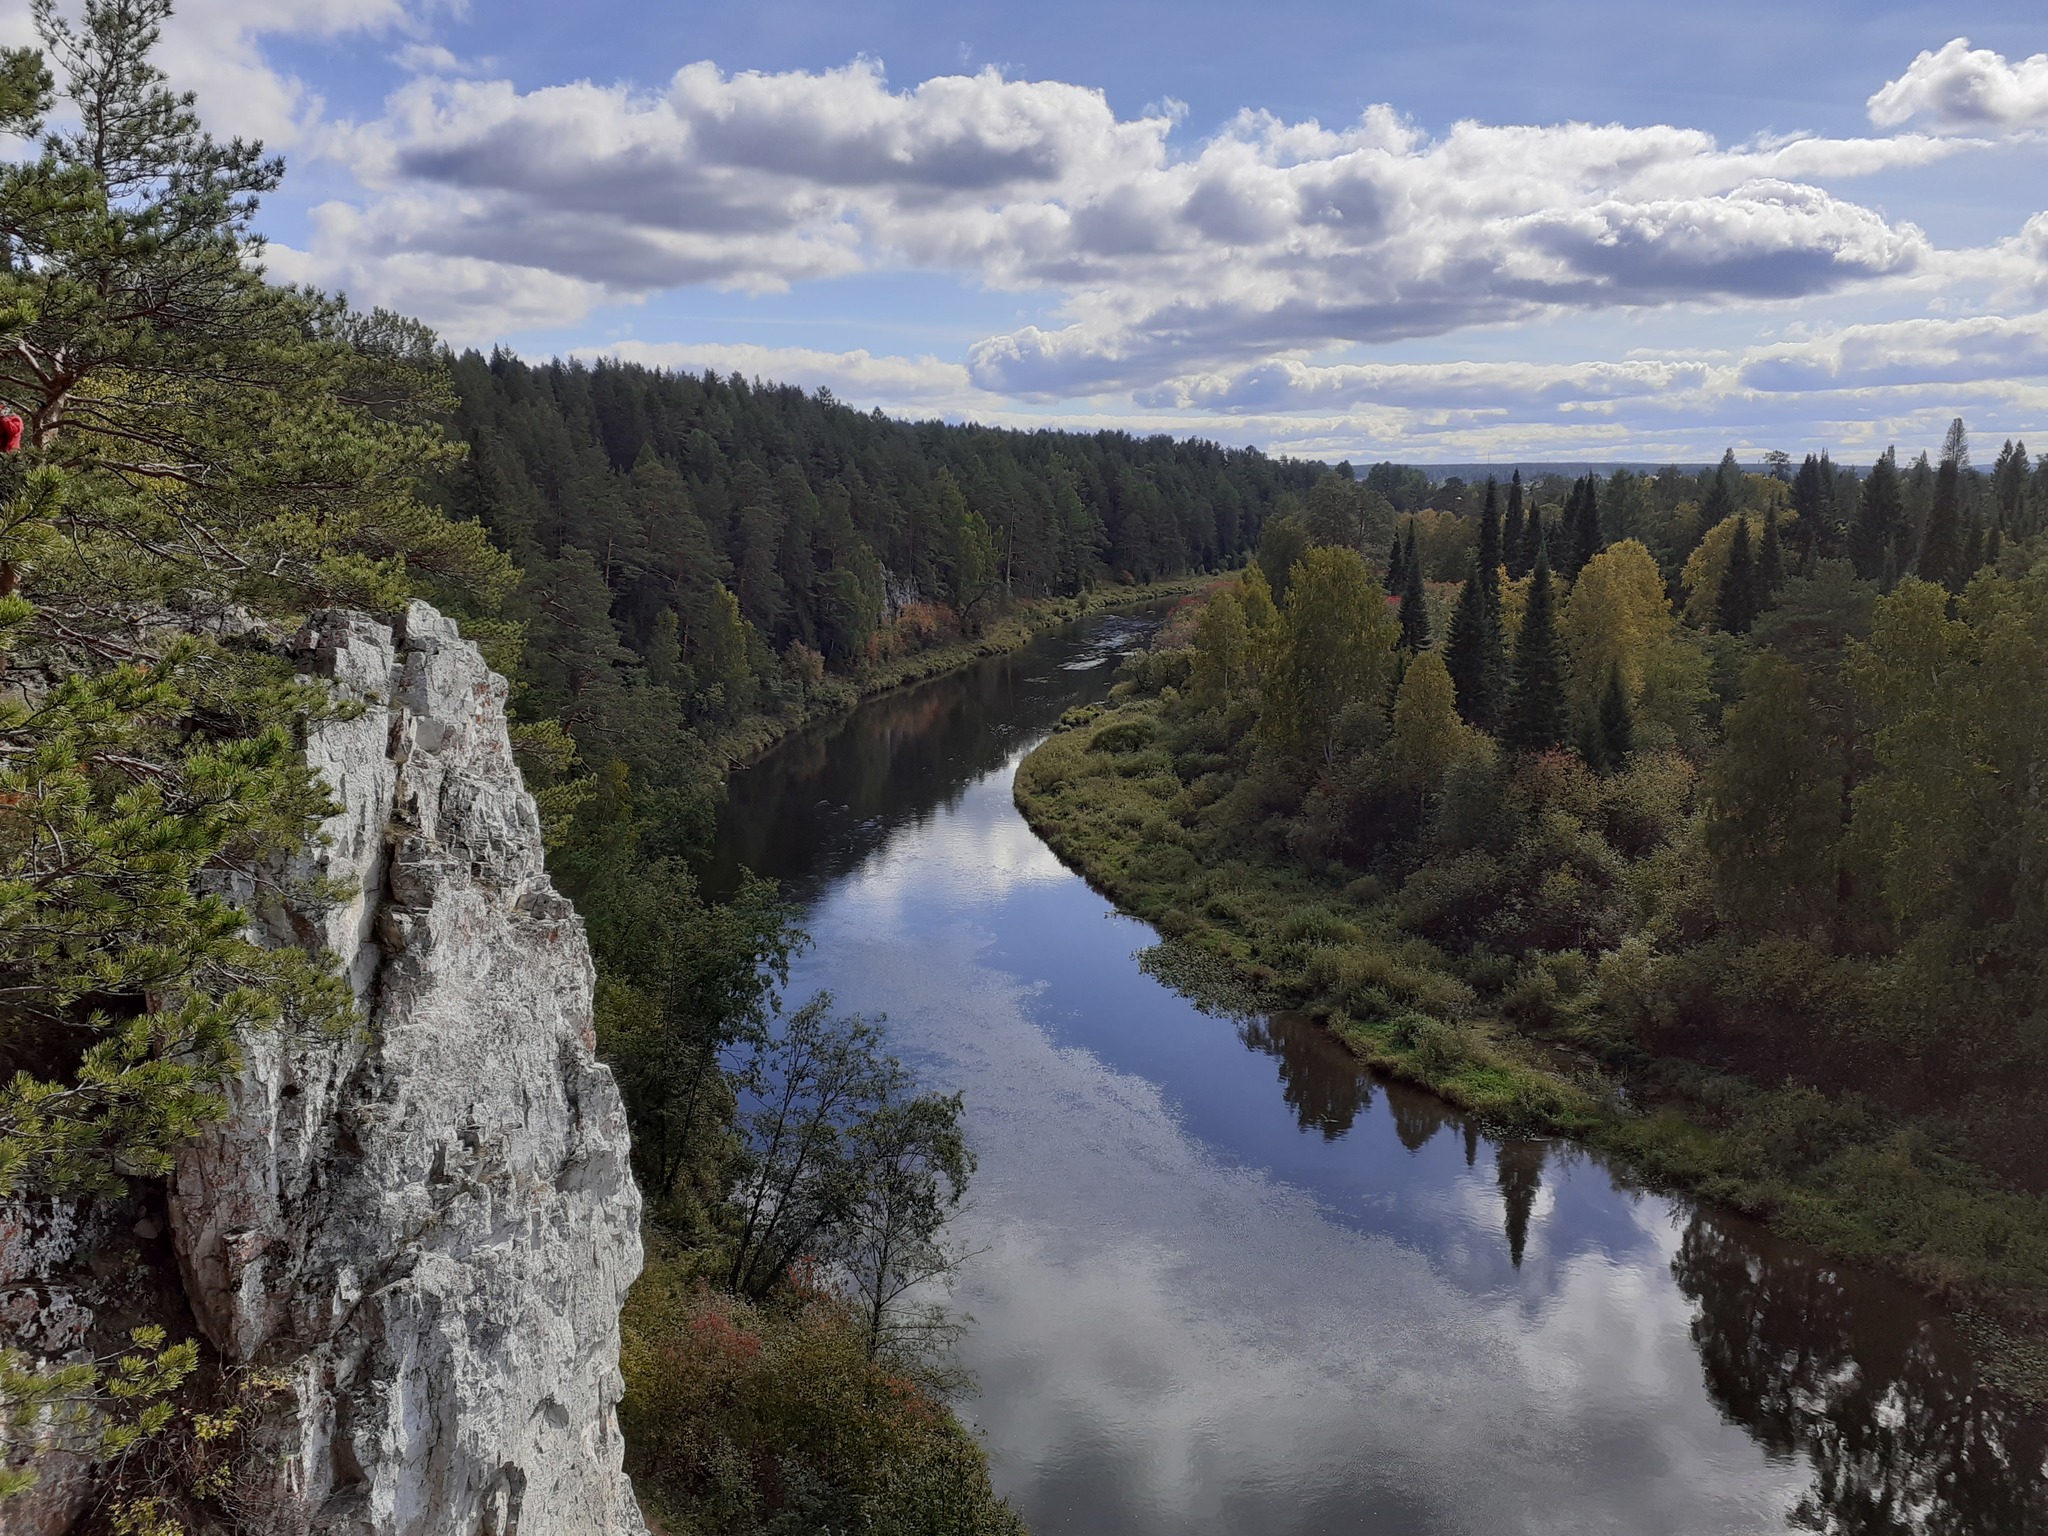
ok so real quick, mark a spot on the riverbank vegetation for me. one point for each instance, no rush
(1701, 820)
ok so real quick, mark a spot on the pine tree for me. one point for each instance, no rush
(1537, 714)
(1415, 635)
(1476, 653)
(194, 437)
(665, 668)
(1511, 534)
(1973, 549)
(1489, 542)
(1735, 608)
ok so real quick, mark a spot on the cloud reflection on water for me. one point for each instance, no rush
(1214, 1301)
(1170, 1342)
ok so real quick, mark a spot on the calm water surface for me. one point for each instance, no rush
(1231, 1283)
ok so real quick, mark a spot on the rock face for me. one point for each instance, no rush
(427, 1228)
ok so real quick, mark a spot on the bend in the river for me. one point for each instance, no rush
(1229, 1282)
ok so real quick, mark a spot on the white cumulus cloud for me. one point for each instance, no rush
(1268, 236)
(1960, 88)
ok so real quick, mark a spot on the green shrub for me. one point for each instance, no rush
(1127, 733)
(1439, 1049)
(1376, 983)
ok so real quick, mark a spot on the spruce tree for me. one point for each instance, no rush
(1537, 714)
(1941, 547)
(1589, 540)
(1476, 653)
(1511, 534)
(1616, 725)
(1397, 562)
(1973, 549)
(1489, 540)
(1414, 602)
(1812, 495)
(1879, 514)
(1719, 505)
(2009, 488)
(1735, 607)
(1770, 561)
(1534, 542)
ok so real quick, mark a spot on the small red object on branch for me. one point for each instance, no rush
(10, 434)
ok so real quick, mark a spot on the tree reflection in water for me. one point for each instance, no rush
(1850, 1373)
(1518, 1165)
(1321, 1081)
(1809, 1357)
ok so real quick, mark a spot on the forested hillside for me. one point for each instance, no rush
(695, 548)
(1702, 817)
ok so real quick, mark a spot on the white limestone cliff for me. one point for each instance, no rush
(426, 1228)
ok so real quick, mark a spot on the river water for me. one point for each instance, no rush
(1228, 1282)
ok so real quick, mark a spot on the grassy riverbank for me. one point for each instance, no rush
(1023, 623)
(1525, 1049)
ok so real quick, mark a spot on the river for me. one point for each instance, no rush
(1225, 1281)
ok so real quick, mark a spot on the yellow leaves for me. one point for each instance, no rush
(1709, 564)
(1615, 617)
(1428, 735)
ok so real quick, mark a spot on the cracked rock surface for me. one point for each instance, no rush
(428, 1227)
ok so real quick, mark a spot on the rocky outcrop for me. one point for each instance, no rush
(425, 1229)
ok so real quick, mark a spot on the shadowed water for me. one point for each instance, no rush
(1229, 1282)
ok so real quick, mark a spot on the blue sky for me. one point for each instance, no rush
(1442, 232)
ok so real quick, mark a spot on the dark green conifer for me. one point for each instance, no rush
(1475, 653)
(1511, 534)
(1719, 505)
(1770, 561)
(1584, 527)
(1879, 512)
(1397, 563)
(1941, 548)
(1736, 607)
(1489, 541)
(1537, 715)
(1414, 603)
(1616, 728)
(1534, 543)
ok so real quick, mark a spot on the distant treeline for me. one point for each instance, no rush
(1878, 517)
